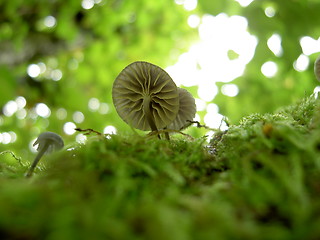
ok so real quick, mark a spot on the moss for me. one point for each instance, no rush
(257, 180)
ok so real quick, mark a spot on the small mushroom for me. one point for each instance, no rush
(187, 111)
(145, 96)
(317, 68)
(47, 143)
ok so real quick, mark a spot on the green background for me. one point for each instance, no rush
(91, 46)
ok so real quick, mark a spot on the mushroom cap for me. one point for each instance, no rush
(52, 140)
(187, 110)
(144, 91)
(317, 68)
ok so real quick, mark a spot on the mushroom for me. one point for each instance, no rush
(317, 68)
(187, 111)
(47, 143)
(145, 96)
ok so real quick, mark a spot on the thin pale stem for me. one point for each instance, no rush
(37, 159)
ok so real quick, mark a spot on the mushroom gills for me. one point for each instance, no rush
(186, 113)
(145, 96)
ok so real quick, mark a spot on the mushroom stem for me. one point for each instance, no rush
(147, 112)
(37, 159)
(166, 134)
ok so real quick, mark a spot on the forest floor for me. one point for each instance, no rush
(260, 179)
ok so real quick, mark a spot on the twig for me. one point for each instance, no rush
(88, 131)
(200, 125)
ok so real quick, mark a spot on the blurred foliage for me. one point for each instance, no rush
(89, 47)
(292, 20)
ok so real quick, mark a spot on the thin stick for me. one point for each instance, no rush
(200, 125)
(89, 131)
(36, 160)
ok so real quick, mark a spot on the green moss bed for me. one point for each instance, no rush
(260, 179)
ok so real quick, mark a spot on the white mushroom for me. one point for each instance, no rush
(145, 96)
(47, 143)
(187, 111)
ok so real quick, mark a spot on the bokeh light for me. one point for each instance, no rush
(104, 108)
(110, 130)
(244, 3)
(94, 104)
(56, 75)
(69, 128)
(21, 114)
(230, 90)
(194, 20)
(270, 11)
(42, 66)
(87, 4)
(207, 91)
(269, 69)
(5, 138)
(10, 108)
(13, 136)
(274, 44)
(33, 70)
(61, 113)
(50, 21)
(21, 102)
(80, 138)
(309, 45)
(200, 104)
(42, 110)
(190, 5)
(302, 63)
(78, 117)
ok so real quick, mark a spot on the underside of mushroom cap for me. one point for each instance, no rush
(187, 110)
(145, 96)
